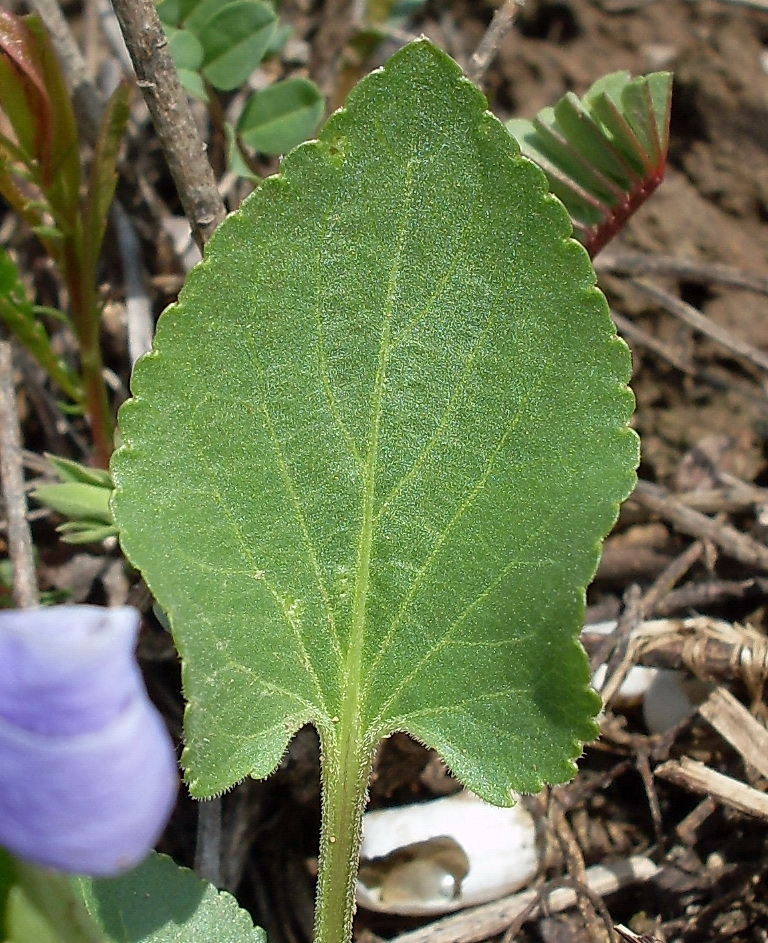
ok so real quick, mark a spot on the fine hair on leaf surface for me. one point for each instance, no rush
(369, 463)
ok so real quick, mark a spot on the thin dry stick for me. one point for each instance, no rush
(503, 18)
(735, 723)
(636, 609)
(638, 263)
(693, 317)
(487, 920)
(694, 596)
(693, 775)
(672, 574)
(597, 931)
(731, 541)
(177, 132)
(85, 99)
(25, 593)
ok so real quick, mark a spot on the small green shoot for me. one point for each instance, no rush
(604, 154)
(23, 319)
(41, 177)
(83, 496)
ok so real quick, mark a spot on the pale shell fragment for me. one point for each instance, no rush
(439, 856)
(667, 696)
(671, 697)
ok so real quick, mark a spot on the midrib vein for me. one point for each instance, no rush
(352, 679)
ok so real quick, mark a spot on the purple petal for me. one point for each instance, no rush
(88, 773)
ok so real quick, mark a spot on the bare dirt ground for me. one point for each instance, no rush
(689, 543)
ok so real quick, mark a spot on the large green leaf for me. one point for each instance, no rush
(370, 460)
(159, 902)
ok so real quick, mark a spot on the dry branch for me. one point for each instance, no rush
(690, 774)
(25, 594)
(172, 117)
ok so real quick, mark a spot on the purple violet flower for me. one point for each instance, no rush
(88, 774)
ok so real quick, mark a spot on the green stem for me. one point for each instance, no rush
(96, 401)
(346, 761)
(347, 749)
(346, 768)
(86, 318)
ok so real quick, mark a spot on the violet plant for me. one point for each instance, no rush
(369, 462)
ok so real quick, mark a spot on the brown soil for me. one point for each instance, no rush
(703, 418)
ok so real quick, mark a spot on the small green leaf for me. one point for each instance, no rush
(281, 116)
(103, 177)
(42, 906)
(370, 460)
(85, 532)
(83, 496)
(69, 471)
(76, 500)
(159, 902)
(20, 316)
(193, 84)
(173, 12)
(198, 12)
(280, 37)
(235, 40)
(186, 49)
(34, 97)
(236, 157)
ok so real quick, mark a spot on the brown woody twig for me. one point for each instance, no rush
(172, 117)
(25, 593)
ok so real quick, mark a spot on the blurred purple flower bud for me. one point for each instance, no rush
(88, 774)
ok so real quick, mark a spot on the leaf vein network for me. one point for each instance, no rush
(498, 694)
(353, 665)
(469, 500)
(448, 636)
(390, 148)
(302, 522)
(269, 687)
(322, 361)
(247, 551)
(459, 256)
(442, 424)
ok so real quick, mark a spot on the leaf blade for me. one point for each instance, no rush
(395, 312)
